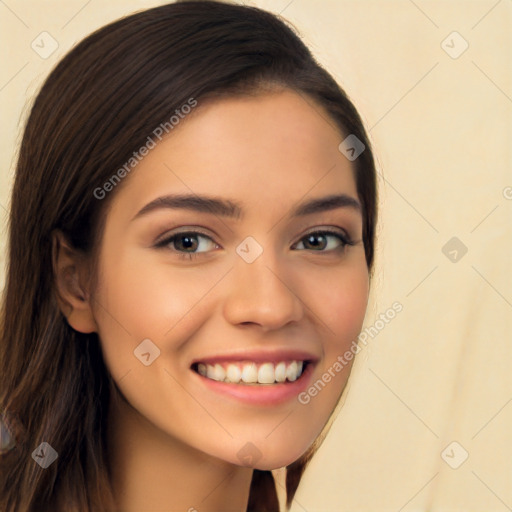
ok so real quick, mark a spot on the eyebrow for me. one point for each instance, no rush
(233, 209)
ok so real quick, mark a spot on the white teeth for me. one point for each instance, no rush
(291, 371)
(252, 373)
(233, 373)
(266, 374)
(215, 372)
(220, 373)
(280, 372)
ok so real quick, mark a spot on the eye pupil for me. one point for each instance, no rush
(313, 237)
(190, 243)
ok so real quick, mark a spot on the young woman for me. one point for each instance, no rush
(190, 251)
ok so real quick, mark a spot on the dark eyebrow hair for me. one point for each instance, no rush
(233, 209)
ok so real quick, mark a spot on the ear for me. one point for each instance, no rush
(71, 280)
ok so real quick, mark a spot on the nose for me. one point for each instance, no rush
(259, 293)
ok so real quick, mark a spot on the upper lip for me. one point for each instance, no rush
(259, 356)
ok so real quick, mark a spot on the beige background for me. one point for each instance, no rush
(442, 126)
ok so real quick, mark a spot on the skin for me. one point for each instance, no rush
(173, 442)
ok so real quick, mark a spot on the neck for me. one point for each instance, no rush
(153, 471)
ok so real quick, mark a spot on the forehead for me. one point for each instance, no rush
(259, 149)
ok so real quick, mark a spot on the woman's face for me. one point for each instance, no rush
(253, 286)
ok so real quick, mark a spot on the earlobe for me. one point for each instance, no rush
(71, 280)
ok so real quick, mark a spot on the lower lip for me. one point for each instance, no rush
(269, 394)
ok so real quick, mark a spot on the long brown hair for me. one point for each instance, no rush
(96, 107)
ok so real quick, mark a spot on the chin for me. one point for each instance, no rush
(267, 456)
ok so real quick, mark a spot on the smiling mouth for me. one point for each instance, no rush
(251, 373)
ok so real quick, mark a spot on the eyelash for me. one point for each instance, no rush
(344, 239)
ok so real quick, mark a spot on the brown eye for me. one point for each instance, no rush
(187, 243)
(319, 241)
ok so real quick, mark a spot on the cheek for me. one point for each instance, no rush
(342, 307)
(137, 300)
(349, 306)
(150, 301)
(341, 300)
